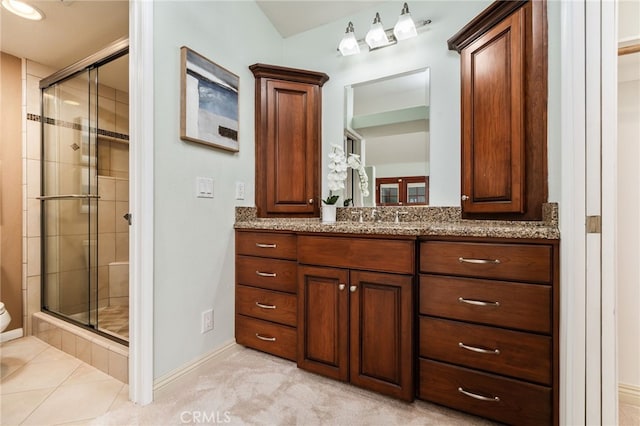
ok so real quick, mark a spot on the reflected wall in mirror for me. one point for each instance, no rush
(387, 124)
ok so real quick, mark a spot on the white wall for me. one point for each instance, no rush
(316, 50)
(628, 235)
(628, 244)
(194, 243)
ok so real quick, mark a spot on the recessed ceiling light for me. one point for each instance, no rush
(22, 9)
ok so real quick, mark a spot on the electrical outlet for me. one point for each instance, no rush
(239, 190)
(207, 321)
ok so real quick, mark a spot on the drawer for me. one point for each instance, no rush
(517, 262)
(510, 353)
(266, 304)
(517, 402)
(371, 254)
(506, 304)
(274, 274)
(276, 339)
(266, 244)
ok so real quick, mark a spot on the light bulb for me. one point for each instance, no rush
(405, 27)
(376, 37)
(349, 43)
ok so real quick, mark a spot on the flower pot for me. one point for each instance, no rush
(328, 213)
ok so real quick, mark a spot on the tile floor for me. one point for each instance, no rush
(42, 385)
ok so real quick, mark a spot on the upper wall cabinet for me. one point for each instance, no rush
(288, 135)
(503, 55)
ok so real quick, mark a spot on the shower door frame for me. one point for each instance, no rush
(112, 52)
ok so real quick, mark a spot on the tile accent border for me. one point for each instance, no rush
(106, 355)
(77, 126)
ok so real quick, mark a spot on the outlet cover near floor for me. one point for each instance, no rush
(207, 321)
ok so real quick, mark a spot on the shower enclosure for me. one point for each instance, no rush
(84, 192)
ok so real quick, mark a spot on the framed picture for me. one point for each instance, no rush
(208, 102)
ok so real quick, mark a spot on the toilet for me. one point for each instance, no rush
(5, 318)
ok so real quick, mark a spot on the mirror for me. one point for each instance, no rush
(387, 124)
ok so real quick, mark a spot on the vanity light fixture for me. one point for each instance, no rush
(377, 37)
(405, 27)
(23, 10)
(349, 43)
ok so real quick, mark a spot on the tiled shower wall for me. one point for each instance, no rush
(112, 228)
(32, 73)
(113, 183)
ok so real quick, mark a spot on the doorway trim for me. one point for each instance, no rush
(141, 190)
(588, 351)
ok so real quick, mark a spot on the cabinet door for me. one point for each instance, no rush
(291, 151)
(323, 321)
(493, 134)
(381, 334)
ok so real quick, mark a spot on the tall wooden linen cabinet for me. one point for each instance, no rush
(288, 136)
(503, 54)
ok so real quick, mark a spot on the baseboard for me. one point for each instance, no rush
(168, 378)
(16, 333)
(629, 394)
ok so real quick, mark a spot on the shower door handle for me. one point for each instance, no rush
(67, 197)
(127, 217)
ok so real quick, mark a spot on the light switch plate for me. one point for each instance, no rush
(204, 187)
(239, 190)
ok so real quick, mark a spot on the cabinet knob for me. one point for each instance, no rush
(341, 287)
(464, 197)
(353, 288)
(310, 200)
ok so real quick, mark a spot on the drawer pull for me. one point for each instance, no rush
(479, 261)
(480, 397)
(266, 274)
(268, 339)
(479, 350)
(263, 306)
(477, 302)
(261, 245)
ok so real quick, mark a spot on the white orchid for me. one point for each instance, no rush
(355, 163)
(337, 168)
(338, 164)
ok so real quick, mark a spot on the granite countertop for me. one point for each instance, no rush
(418, 221)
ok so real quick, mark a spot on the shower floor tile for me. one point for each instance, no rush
(114, 320)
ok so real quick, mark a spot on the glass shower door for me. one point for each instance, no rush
(69, 200)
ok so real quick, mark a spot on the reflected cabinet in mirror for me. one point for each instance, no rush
(387, 124)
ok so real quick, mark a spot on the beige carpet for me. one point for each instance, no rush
(245, 387)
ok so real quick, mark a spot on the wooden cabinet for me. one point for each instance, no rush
(266, 302)
(503, 106)
(288, 136)
(402, 191)
(488, 328)
(356, 325)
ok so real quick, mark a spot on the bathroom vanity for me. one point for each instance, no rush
(456, 306)
(458, 312)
